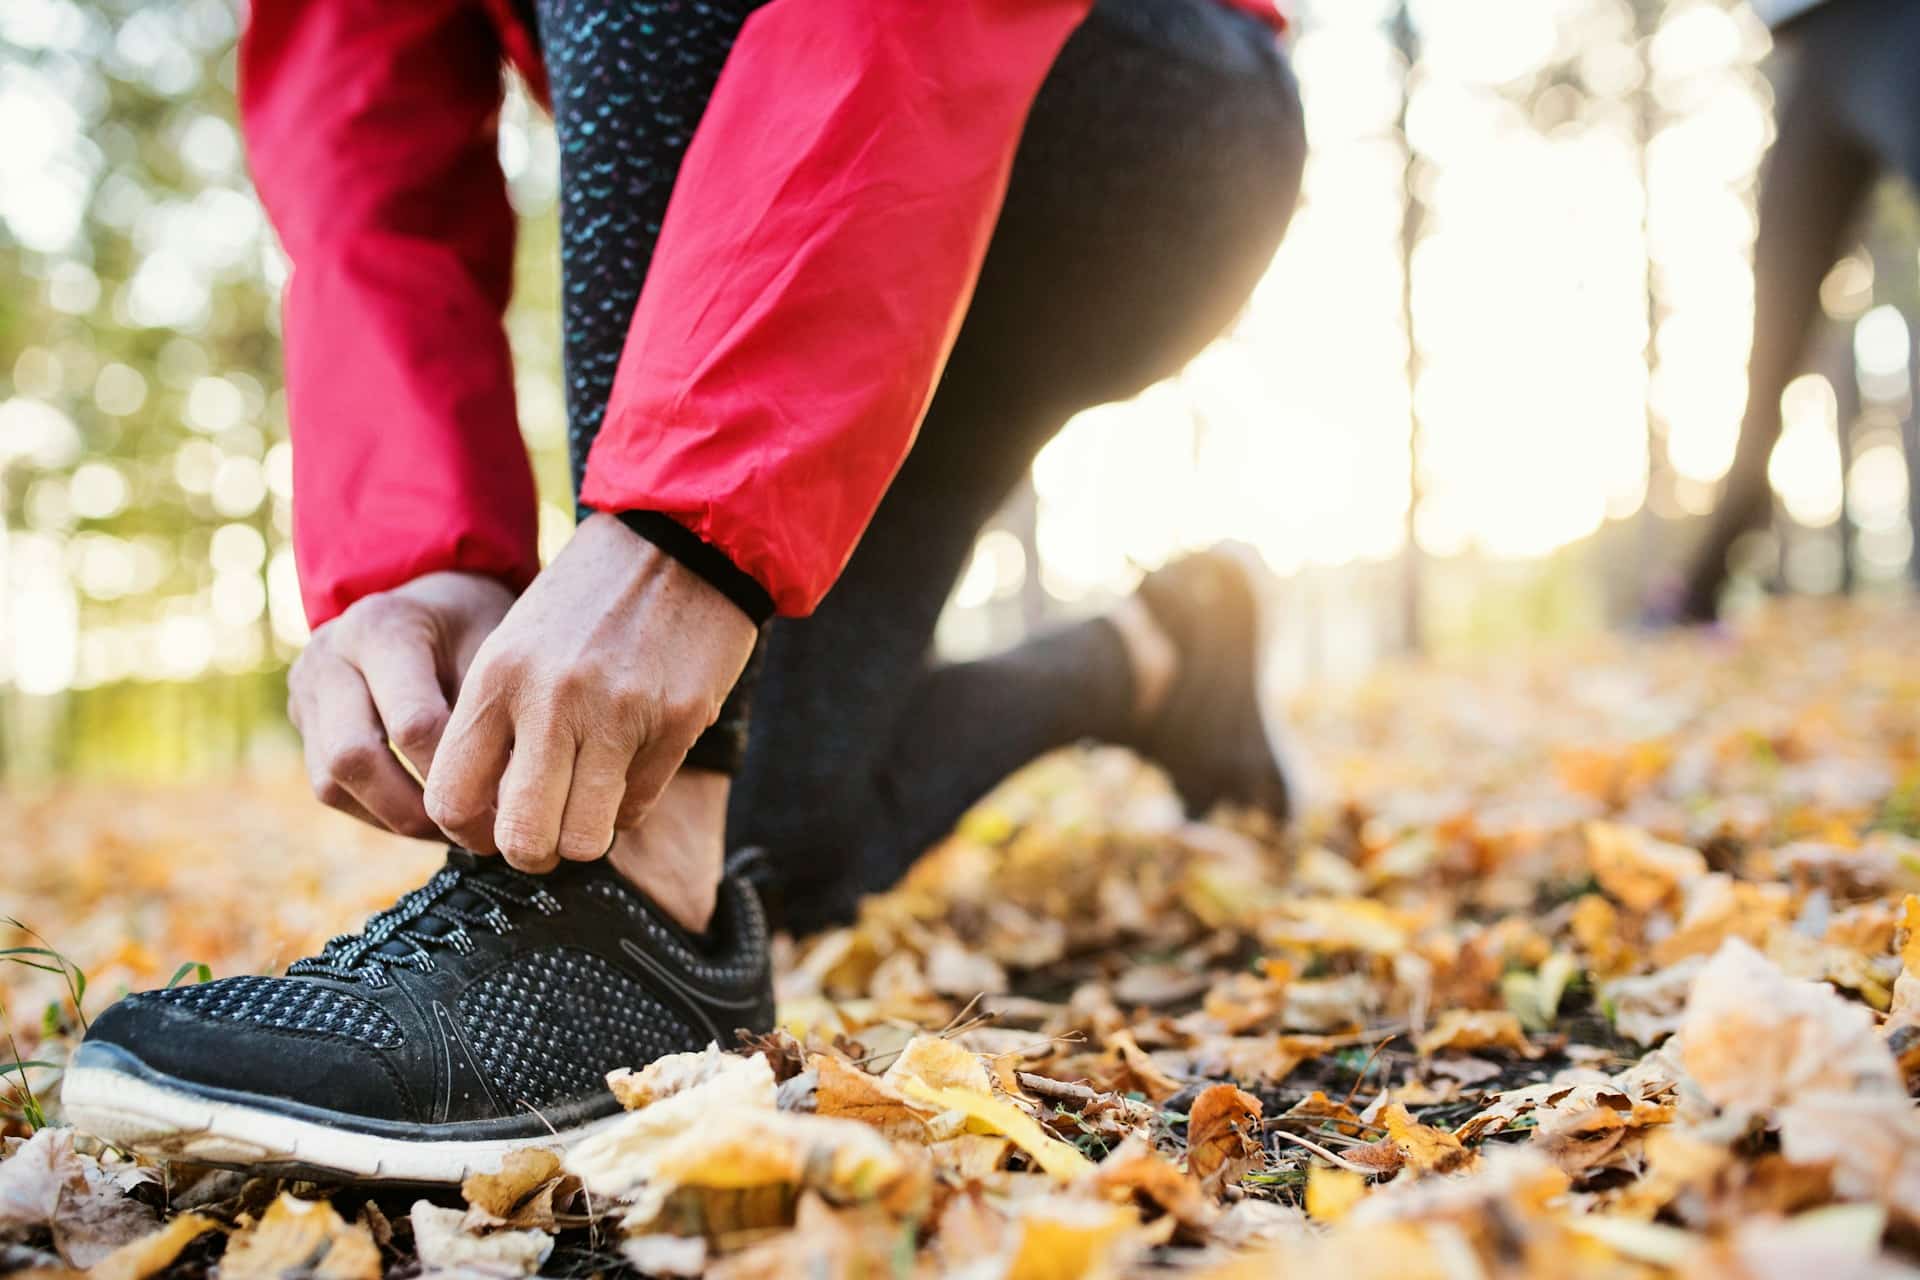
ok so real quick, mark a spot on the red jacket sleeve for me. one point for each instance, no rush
(818, 254)
(370, 127)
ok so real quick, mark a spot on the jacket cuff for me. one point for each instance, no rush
(684, 545)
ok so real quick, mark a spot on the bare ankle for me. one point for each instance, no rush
(677, 853)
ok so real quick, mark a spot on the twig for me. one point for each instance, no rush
(1365, 1067)
(1325, 1154)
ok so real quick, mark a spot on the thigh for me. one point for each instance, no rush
(1156, 175)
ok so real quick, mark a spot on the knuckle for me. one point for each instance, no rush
(517, 837)
(353, 761)
(580, 846)
(450, 814)
(416, 728)
(578, 684)
(330, 792)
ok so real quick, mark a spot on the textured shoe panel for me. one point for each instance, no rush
(746, 958)
(550, 1024)
(286, 1005)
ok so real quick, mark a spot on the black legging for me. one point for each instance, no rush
(1159, 167)
(1853, 113)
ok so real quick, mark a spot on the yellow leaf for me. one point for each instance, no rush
(1635, 869)
(152, 1254)
(1331, 1192)
(1910, 922)
(1424, 1148)
(988, 1114)
(1472, 1030)
(939, 1064)
(1071, 1240)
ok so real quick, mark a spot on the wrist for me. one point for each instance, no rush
(704, 560)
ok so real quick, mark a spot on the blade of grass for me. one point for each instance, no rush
(75, 976)
(201, 972)
(36, 1117)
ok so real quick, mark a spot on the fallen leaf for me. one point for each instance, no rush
(302, 1237)
(1332, 1193)
(1223, 1140)
(666, 1255)
(521, 1194)
(1424, 1148)
(1754, 1039)
(939, 1063)
(1638, 871)
(987, 1114)
(1475, 1031)
(154, 1253)
(678, 1072)
(1137, 1070)
(444, 1244)
(1137, 1174)
(1073, 1240)
(843, 1089)
(46, 1184)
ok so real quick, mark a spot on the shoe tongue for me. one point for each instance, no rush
(434, 922)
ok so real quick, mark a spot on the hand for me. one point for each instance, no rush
(582, 705)
(386, 670)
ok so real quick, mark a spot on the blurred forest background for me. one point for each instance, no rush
(1491, 382)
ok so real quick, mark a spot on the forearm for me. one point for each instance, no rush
(812, 273)
(370, 132)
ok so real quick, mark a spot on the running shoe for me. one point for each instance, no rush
(479, 1014)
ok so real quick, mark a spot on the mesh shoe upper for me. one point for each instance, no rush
(486, 997)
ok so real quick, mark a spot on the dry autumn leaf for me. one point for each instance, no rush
(301, 1237)
(1223, 1136)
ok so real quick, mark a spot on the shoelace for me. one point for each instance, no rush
(438, 914)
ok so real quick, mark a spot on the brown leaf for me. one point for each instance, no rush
(1137, 1071)
(1223, 1140)
(521, 1194)
(1136, 1174)
(46, 1184)
(304, 1237)
(845, 1090)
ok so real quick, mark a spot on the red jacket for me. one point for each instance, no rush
(811, 274)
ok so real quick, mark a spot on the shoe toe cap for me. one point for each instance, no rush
(249, 1043)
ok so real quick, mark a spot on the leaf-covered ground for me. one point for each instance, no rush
(1600, 964)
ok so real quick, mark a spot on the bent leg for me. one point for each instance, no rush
(1157, 173)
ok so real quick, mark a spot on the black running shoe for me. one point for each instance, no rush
(1210, 733)
(479, 1014)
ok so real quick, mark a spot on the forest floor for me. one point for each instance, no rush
(1597, 962)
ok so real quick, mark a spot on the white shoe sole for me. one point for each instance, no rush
(172, 1124)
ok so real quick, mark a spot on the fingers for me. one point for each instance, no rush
(348, 762)
(405, 684)
(533, 796)
(647, 776)
(472, 755)
(593, 800)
